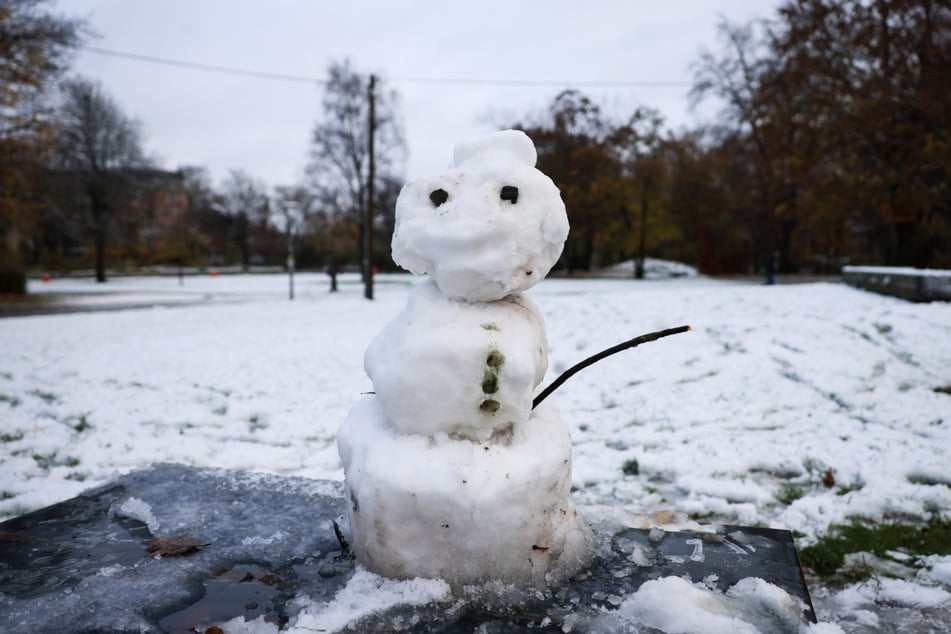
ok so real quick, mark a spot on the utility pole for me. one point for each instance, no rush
(370, 178)
(292, 220)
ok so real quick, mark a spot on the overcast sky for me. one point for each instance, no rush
(262, 126)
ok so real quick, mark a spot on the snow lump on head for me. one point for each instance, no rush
(490, 226)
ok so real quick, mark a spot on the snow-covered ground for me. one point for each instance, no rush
(776, 388)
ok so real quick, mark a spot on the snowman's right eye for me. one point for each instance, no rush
(438, 196)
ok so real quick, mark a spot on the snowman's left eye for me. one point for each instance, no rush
(438, 196)
(510, 193)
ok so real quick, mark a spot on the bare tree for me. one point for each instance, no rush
(638, 146)
(339, 155)
(97, 145)
(245, 200)
(295, 207)
(740, 76)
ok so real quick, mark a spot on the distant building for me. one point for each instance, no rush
(148, 206)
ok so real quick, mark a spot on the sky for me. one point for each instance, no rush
(262, 125)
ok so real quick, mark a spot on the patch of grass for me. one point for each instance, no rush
(256, 424)
(845, 490)
(929, 479)
(782, 472)
(11, 400)
(943, 389)
(789, 492)
(703, 517)
(826, 557)
(6, 495)
(46, 397)
(11, 437)
(81, 424)
(49, 460)
(44, 462)
(631, 467)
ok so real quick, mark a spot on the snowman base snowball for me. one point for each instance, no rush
(463, 511)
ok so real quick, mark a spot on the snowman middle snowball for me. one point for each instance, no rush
(450, 472)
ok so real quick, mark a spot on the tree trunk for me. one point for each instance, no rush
(642, 247)
(100, 246)
(100, 224)
(362, 251)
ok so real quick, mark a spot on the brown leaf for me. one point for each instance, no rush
(181, 545)
(828, 479)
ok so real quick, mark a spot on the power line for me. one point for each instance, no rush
(228, 70)
(540, 82)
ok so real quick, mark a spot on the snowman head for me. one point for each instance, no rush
(490, 226)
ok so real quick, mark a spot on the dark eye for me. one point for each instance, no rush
(509, 193)
(439, 196)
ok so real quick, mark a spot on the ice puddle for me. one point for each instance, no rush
(668, 604)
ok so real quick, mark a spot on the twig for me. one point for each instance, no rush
(344, 546)
(636, 341)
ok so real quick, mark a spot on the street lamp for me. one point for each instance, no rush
(292, 222)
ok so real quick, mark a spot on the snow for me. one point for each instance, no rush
(653, 269)
(458, 510)
(774, 386)
(478, 242)
(351, 602)
(939, 569)
(905, 593)
(365, 593)
(450, 471)
(897, 270)
(437, 347)
(676, 606)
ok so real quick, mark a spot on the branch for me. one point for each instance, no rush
(636, 341)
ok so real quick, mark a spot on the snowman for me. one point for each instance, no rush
(450, 471)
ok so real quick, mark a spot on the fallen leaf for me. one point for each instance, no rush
(828, 479)
(182, 545)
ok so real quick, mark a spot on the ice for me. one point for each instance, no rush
(82, 567)
(136, 509)
(273, 559)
